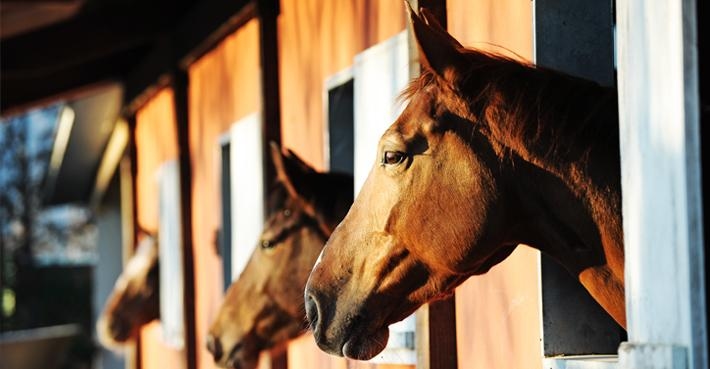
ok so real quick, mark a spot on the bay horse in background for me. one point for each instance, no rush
(264, 306)
(135, 299)
(489, 153)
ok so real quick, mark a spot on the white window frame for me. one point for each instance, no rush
(376, 108)
(661, 187)
(247, 189)
(172, 307)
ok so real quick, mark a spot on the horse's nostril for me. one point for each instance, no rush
(312, 311)
(214, 346)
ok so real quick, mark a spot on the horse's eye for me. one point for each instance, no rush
(393, 157)
(266, 244)
(287, 213)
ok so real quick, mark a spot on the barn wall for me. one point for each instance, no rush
(223, 87)
(498, 318)
(318, 38)
(156, 142)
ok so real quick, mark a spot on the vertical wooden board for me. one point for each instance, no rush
(179, 84)
(156, 142)
(303, 353)
(224, 86)
(503, 26)
(498, 313)
(268, 11)
(318, 38)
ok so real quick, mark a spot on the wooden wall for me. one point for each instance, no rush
(156, 143)
(498, 318)
(223, 87)
(498, 315)
(318, 38)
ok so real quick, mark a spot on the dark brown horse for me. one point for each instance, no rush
(264, 307)
(135, 299)
(490, 153)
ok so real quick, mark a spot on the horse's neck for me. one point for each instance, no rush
(583, 233)
(552, 218)
(557, 122)
(568, 129)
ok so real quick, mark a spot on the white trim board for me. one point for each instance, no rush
(661, 189)
(380, 73)
(247, 189)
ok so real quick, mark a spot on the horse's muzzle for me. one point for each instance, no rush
(318, 315)
(214, 346)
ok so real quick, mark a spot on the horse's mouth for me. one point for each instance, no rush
(239, 358)
(240, 362)
(366, 346)
(357, 340)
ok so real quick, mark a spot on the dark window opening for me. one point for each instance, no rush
(225, 235)
(576, 37)
(340, 127)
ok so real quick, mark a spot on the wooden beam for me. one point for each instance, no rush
(179, 83)
(268, 11)
(133, 351)
(436, 335)
(78, 41)
(436, 321)
(206, 25)
(82, 51)
(87, 50)
(149, 77)
(200, 31)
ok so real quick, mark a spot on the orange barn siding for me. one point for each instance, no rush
(223, 87)
(156, 143)
(498, 314)
(318, 38)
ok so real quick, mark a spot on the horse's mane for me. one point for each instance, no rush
(542, 115)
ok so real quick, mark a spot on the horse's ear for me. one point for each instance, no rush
(291, 170)
(439, 52)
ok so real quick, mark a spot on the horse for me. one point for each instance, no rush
(135, 299)
(489, 153)
(264, 306)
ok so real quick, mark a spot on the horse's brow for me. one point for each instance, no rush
(393, 137)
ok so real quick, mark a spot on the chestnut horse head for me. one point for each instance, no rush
(135, 299)
(264, 307)
(488, 154)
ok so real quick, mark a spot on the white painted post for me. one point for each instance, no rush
(661, 189)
